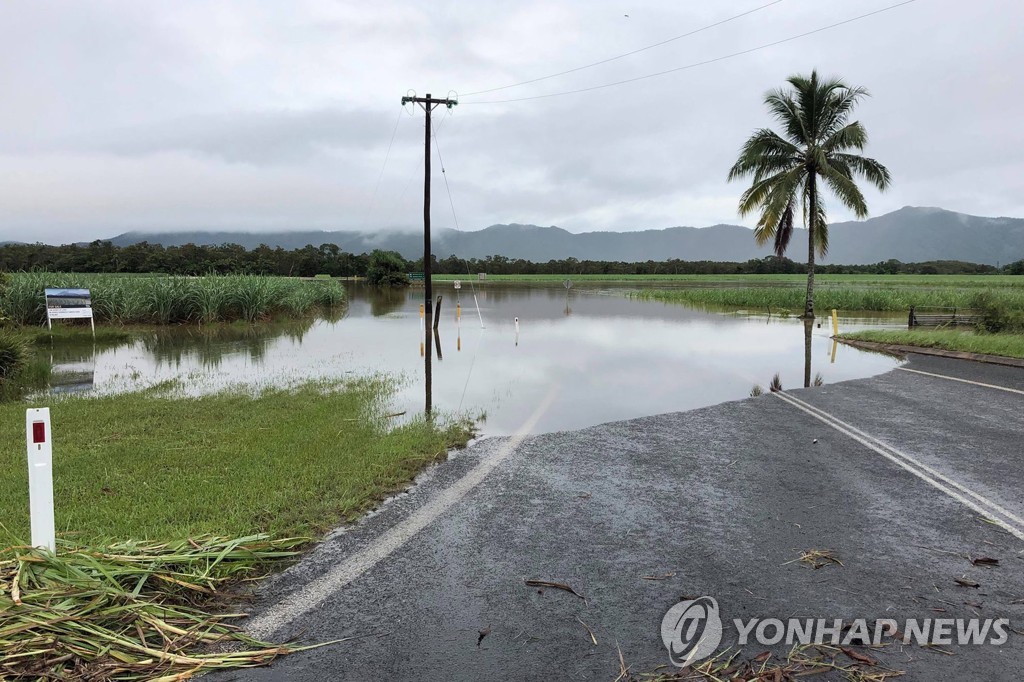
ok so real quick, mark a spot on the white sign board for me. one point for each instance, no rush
(69, 304)
(458, 284)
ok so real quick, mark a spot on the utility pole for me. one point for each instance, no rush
(428, 103)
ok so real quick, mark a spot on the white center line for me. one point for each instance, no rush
(303, 601)
(984, 506)
(965, 381)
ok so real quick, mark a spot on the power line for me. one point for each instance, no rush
(702, 63)
(444, 174)
(373, 199)
(626, 54)
(455, 217)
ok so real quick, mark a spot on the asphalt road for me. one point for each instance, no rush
(903, 476)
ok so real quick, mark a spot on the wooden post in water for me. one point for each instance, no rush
(437, 313)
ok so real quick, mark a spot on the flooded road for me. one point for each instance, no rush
(599, 355)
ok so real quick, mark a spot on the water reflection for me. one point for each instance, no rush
(808, 328)
(608, 356)
(208, 346)
(72, 368)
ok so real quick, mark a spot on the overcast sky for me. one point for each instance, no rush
(187, 115)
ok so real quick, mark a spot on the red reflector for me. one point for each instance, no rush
(38, 432)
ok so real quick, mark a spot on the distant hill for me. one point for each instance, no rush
(909, 235)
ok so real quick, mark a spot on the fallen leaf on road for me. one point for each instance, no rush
(985, 561)
(483, 633)
(657, 577)
(548, 583)
(965, 582)
(762, 657)
(589, 631)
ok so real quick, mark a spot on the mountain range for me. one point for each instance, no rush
(911, 234)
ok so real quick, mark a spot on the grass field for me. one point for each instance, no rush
(971, 281)
(846, 293)
(286, 461)
(1007, 345)
(171, 300)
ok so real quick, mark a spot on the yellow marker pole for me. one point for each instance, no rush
(835, 323)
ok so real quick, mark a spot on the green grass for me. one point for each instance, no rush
(154, 466)
(171, 300)
(866, 295)
(1007, 345)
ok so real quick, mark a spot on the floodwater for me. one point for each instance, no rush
(578, 357)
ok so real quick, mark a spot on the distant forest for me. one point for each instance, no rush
(329, 259)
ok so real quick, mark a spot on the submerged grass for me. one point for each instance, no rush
(129, 611)
(171, 300)
(1007, 345)
(285, 461)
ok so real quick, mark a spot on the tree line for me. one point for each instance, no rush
(329, 259)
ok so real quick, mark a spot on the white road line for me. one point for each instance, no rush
(984, 506)
(303, 601)
(965, 381)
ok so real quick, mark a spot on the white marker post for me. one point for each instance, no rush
(40, 477)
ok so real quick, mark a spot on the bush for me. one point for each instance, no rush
(387, 269)
(13, 354)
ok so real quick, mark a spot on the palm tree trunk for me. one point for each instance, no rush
(812, 232)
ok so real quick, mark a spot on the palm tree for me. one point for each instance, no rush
(816, 143)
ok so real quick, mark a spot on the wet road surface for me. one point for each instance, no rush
(912, 472)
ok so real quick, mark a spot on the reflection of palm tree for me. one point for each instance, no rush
(808, 324)
(816, 143)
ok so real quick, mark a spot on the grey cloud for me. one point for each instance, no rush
(236, 115)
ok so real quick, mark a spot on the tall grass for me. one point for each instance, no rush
(842, 297)
(171, 300)
(14, 354)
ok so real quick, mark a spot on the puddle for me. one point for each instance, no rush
(603, 356)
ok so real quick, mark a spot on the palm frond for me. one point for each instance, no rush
(839, 181)
(821, 228)
(851, 136)
(763, 154)
(784, 230)
(787, 112)
(775, 199)
(869, 169)
(841, 103)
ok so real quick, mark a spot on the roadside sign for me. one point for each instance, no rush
(458, 284)
(69, 304)
(39, 441)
